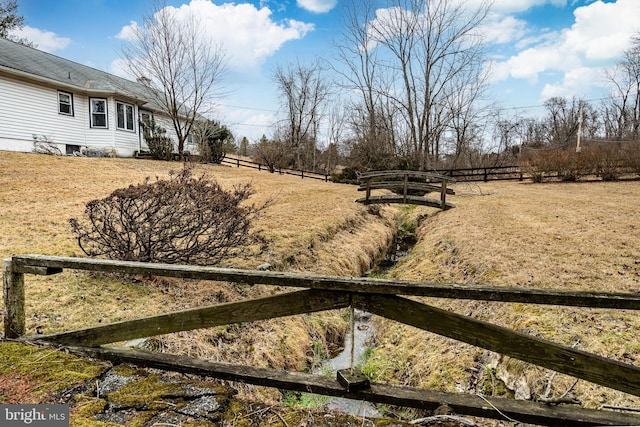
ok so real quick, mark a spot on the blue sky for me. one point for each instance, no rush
(538, 48)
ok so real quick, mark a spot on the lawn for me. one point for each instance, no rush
(555, 235)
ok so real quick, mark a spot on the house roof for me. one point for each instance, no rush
(35, 64)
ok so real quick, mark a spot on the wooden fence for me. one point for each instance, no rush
(386, 298)
(238, 162)
(486, 173)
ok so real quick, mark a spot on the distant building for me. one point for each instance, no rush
(75, 107)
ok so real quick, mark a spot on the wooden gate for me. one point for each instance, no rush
(377, 296)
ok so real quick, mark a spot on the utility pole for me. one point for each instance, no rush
(578, 148)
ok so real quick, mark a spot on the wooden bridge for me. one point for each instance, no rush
(409, 187)
(380, 297)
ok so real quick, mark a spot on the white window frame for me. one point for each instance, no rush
(104, 113)
(61, 103)
(127, 122)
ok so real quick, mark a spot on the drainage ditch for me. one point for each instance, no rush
(405, 239)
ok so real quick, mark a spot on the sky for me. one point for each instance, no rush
(537, 48)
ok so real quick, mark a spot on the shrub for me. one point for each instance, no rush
(348, 175)
(214, 140)
(631, 155)
(606, 160)
(160, 145)
(536, 163)
(181, 220)
(565, 164)
(570, 165)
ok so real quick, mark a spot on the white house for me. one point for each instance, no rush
(74, 106)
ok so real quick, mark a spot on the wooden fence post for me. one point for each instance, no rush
(13, 291)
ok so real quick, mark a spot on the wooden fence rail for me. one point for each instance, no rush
(238, 162)
(377, 296)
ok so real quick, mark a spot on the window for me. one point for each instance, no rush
(125, 115)
(71, 150)
(65, 103)
(98, 112)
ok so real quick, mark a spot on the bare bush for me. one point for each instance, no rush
(631, 155)
(274, 154)
(606, 160)
(181, 220)
(565, 164)
(536, 163)
(571, 165)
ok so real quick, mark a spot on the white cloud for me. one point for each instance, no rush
(317, 6)
(128, 32)
(505, 7)
(575, 82)
(248, 35)
(498, 29)
(44, 40)
(119, 68)
(602, 30)
(599, 35)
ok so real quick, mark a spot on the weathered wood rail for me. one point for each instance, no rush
(409, 187)
(238, 162)
(377, 296)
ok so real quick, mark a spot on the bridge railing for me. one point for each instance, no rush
(410, 187)
(381, 297)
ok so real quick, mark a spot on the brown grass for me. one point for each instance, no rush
(556, 235)
(311, 225)
(559, 235)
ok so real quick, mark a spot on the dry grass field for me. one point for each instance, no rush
(311, 226)
(556, 235)
(582, 236)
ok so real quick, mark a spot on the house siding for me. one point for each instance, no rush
(31, 109)
(30, 81)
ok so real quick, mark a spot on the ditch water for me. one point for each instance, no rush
(363, 334)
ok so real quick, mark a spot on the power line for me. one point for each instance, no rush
(246, 108)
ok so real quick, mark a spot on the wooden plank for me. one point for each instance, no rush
(13, 293)
(463, 404)
(287, 304)
(402, 173)
(629, 301)
(42, 271)
(411, 185)
(411, 200)
(443, 195)
(580, 364)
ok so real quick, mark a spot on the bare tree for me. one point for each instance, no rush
(274, 153)
(418, 54)
(621, 113)
(183, 68)
(358, 64)
(304, 92)
(563, 119)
